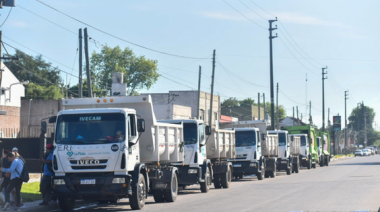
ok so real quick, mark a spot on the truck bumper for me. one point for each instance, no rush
(189, 175)
(304, 161)
(161, 177)
(103, 188)
(282, 164)
(245, 167)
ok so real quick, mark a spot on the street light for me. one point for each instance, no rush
(9, 89)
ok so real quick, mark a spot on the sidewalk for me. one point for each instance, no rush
(35, 207)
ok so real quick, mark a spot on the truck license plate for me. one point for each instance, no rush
(237, 165)
(284, 161)
(87, 181)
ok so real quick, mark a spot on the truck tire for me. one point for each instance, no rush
(137, 199)
(297, 167)
(314, 165)
(327, 161)
(158, 196)
(217, 183)
(260, 175)
(273, 172)
(171, 195)
(309, 165)
(321, 163)
(66, 203)
(288, 170)
(226, 178)
(205, 186)
(266, 174)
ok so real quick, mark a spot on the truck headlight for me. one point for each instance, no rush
(118, 180)
(59, 182)
(193, 171)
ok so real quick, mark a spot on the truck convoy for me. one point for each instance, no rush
(113, 147)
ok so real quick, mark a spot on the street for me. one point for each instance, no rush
(345, 185)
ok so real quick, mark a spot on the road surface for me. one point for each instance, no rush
(345, 185)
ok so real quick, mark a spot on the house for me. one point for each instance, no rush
(290, 121)
(11, 91)
(244, 113)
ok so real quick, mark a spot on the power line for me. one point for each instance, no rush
(243, 16)
(18, 5)
(252, 10)
(178, 82)
(262, 8)
(114, 36)
(6, 17)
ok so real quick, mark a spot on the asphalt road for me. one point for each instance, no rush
(345, 185)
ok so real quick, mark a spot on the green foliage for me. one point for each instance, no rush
(356, 117)
(35, 91)
(99, 91)
(247, 102)
(38, 88)
(30, 192)
(231, 102)
(139, 72)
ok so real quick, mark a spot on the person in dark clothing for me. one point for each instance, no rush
(6, 164)
(45, 186)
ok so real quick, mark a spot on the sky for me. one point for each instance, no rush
(181, 35)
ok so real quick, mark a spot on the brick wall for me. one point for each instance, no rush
(12, 119)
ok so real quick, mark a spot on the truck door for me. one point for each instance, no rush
(133, 150)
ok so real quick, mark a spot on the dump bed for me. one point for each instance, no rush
(221, 144)
(269, 146)
(295, 145)
(161, 142)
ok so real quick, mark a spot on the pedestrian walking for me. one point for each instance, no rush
(45, 185)
(15, 151)
(5, 177)
(16, 181)
(17, 154)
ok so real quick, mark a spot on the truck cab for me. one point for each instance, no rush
(305, 157)
(196, 168)
(248, 153)
(284, 159)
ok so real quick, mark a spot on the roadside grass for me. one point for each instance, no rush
(343, 156)
(31, 192)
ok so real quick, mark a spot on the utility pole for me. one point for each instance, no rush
(306, 97)
(293, 116)
(365, 127)
(87, 63)
(271, 71)
(258, 101)
(1, 54)
(277, 120)
(264, 105)
(328, 117)
(323, 97)
(199, 91)
(345, 120)
(212, 89)
(298, 121)
(67, 86)
(310, 119)
(80, 65)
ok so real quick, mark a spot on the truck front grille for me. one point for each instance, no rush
(88, 167)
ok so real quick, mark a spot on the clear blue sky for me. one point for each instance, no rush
(340, 34)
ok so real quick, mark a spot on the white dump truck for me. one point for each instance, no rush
(285, 158)
(295, 152)
(206, 155)
(256, 151)
(220, 148)
(304, 157)
(111, 148)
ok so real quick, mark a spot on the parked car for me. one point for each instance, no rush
(370, 150)
(366, 152)
(358, 153)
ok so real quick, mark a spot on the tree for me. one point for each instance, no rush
(99, 91)
(231, 102)
(139, 72)
(247, 102)
(356, 118)
(45, 81)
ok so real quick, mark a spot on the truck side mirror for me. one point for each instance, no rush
(208, 130)
(263, 136)
(258, 144)
(140, 125)
(52, 119)
(43, 127)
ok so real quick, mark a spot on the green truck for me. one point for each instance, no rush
(325, 148)
(309, 157)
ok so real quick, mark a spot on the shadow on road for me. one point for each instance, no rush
(357, 164)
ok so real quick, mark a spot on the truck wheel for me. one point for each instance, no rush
(226, 178)
(205, 186)
(266, 174)
(288, 172)
(321, 163)
(327, 161)
(260, 175)
(309, 165)
(217, 183)
(171, 195)
(314, 165)
(137, 200)
(297, 168)
(158, 196)
(66, 203)
(273, 172)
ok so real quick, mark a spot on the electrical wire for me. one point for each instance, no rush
(6, 17)
(119, 38)
(243, 16)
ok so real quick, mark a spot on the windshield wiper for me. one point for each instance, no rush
(70, 142)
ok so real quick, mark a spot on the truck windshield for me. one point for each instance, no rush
(190, 133)
(245, 138)
(91, 128)
(303, 140)
(281, 139)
